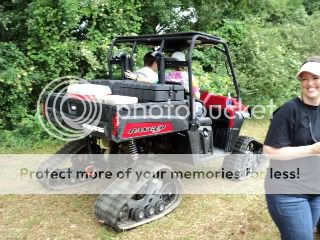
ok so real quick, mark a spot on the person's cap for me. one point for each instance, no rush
(311, 67)
(180, 56)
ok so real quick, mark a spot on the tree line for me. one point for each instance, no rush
(41, 40)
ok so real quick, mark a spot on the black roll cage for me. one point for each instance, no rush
(182, 40)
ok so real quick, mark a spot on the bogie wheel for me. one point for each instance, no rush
(160, 206)
(245, 158)
(138, 214)
(150, 211)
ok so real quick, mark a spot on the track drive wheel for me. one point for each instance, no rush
(124, 214)
(74, 156)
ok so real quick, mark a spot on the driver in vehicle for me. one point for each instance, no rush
(148, 73)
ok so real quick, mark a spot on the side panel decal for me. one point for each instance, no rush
(140, 129)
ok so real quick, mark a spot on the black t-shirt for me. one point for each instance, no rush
(290, 126)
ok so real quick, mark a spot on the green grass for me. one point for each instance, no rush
(18, 145)
(255, 128)
(198, 216)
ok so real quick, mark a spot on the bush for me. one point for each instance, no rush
(60, 38)
(15, 85)
(27, 136)
(267, 56)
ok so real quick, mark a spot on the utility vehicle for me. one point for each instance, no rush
(139, 133)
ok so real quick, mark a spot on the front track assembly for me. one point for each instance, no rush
(145, 200)
(125, 203)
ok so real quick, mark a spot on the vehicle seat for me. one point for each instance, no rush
(204, 121)
(125, 61)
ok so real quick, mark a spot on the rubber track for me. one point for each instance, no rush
(109, 203)
(234, 162)
(53, 162)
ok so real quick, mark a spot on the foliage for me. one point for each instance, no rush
(73, 38)
(13, 18)
(41, 40)
(27, 136)
(166, 15)
(15, 84)
(269, 56)
(210, 70)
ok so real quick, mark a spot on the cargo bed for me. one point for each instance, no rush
(118, 122)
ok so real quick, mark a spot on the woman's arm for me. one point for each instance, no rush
(288, 153)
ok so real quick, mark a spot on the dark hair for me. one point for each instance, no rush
(312, 59)
(148, 59)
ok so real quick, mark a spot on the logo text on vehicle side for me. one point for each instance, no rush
(153, 129)
(93, 128)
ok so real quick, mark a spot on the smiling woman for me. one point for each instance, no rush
(294, 205)
(309, 76)
(310, 87)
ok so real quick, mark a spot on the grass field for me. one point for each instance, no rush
(198, 216)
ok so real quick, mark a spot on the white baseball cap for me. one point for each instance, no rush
(311, 67)
(180, 56)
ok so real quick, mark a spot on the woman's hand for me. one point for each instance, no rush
(315, 148)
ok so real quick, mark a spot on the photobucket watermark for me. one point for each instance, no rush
(64, 119)
(72, 115)
(172, 110)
